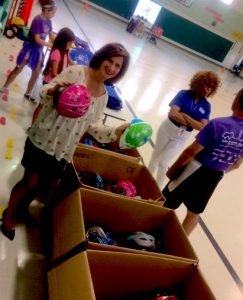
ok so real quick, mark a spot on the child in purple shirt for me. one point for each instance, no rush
(31, 53)
(218, 148)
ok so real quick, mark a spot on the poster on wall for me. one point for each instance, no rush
(187, 3)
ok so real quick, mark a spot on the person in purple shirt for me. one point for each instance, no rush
(190, 109)
(217, 149)
(31, 53)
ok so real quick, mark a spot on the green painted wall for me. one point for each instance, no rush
(233, 20)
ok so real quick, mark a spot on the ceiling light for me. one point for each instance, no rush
(227, 1)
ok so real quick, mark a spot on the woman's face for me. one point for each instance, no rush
(111, 67)
(205, 90)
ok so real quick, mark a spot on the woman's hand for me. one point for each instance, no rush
(54, 89)
(169, 172)
(119, 130)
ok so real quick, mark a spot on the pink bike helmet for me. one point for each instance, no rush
(127, 187)
(73, 101)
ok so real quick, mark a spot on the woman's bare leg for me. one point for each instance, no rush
(190, 222)
(24, 191)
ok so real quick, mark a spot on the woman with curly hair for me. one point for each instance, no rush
(189, 110)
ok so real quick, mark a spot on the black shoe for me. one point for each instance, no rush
(31, 99)
(27, 219)
(10, 234)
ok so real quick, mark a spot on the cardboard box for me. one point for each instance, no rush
(118, 215)
(68, 225)
(117, 276)
(71, 280)
(129, 154)
(117, 168)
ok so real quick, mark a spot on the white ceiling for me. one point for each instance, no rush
(237, 5)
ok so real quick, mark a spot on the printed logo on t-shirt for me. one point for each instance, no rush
(202, 110)
(46, 28)
(229, 149)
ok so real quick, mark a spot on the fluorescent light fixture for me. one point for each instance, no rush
(227, 1)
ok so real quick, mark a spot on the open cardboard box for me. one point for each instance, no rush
(119, 215)
(129, 154)
(117, 168)
(120, 276)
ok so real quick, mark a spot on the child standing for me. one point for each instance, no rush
(31, 53)
(58, 60)
(59, 56)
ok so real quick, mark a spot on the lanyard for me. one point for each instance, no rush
(194, 106)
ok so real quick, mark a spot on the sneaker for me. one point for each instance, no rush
(31, 99)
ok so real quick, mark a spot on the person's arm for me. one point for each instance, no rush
(235, 165)
(187, 155)
(198, 125)
(41, 42)
(106, 134)
(52, 37)
(36, 112)
(177, 115)
(204, 138)
(54, 68)
(55, 60)
(70, 61)
(69, 75)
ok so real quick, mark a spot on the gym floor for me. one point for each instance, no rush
(156, 74)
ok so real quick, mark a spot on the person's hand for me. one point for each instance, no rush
(170, 172)
(119, 130)
(174, 172)
(59, 85)
(49, 44)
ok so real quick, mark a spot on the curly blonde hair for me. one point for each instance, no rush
(205, 78)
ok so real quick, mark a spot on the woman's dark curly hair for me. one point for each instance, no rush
(205, 78)
(105, 53)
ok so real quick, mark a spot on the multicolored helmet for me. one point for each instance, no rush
(127, 188)
(73, 101)
(136, 135)
(96, 234)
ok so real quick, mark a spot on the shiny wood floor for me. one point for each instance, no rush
(155, 75)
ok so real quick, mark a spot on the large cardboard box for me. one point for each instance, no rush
(71, 280)
(129, 154)
(119, 215)
(117, 276)
(117, 168)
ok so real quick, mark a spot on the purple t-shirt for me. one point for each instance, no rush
(40, 26)
(223, 142)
